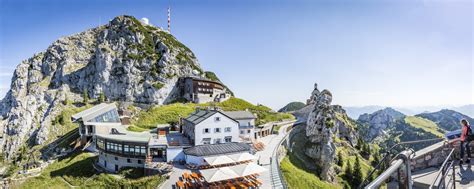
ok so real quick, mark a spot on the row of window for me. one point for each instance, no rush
(204, 90)
(204, 84)
(217, 140)
(243, 131)
(134, 150)
(217, 130)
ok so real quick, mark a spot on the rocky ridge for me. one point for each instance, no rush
(446, 119)
(377, 122)
(125, 60)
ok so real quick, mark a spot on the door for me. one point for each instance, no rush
(116, 168)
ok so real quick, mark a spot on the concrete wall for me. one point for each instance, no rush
(121, 162)
(211, 123)
(174, 154)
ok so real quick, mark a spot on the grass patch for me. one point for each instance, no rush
(158, 85)
(136, 129)
(162, 115)
(169, 114)
(77, 170)
(300, 178)
(424, 124)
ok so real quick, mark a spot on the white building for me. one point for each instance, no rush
(98, 118)
(246, 123)
(210, 127)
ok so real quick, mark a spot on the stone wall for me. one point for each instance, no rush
(435, 155)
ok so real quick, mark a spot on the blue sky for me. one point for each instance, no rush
(390, 53)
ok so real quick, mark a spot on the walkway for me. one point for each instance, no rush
(271, 142)
(464, 177)
(178, 170)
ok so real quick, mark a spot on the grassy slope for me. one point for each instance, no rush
(292, 106)
(295, 166)
(300, 178)
(424, 124)
(77, 170)
(172, 112)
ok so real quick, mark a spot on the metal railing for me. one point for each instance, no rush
(402, 158)
(443, 173)
(275, 164)
(396, 163)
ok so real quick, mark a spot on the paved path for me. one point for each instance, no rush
(271, 142)
(178, 171)
(464, 177)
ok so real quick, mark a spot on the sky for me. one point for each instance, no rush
(388, 53)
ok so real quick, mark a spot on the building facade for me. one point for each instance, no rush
(210, 127)
(202, 90)
(246, 123)
(95, 119)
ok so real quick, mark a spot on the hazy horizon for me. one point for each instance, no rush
(385, 53)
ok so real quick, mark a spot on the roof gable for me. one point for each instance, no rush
(201, 115)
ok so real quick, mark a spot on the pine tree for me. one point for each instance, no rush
(85, 97)
(357, 173)
(101, 97)
(376, 159)
(348, 171)
(339, 158)
(360, 144)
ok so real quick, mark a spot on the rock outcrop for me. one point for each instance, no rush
(324, 122)
(125, 60)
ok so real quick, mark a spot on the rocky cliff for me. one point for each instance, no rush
(125, 60)
(325, 122)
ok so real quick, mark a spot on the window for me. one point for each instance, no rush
(206, 130)
(100, 143)
(241, 132)
(128, 160)
(228, 129)
(217, 118)
(248, 131)
(139, 161)
(228, 139)
(217, 130)
(206, 141)
(116, 158)
(217, 141)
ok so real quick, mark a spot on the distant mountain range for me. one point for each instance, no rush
(355, 111)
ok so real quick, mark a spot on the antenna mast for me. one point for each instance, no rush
(169, 18)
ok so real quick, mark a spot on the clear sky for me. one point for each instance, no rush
(391, 53)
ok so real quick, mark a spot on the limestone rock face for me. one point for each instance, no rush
(379, 121)
(324, 122)
(124, 60)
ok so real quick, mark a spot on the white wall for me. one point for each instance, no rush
(174, 154)
(196, 160)
(121, 162)
(211, 123)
